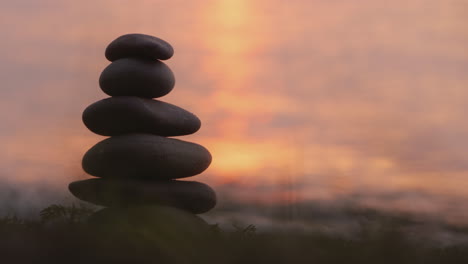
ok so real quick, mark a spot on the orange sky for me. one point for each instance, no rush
(340, 97)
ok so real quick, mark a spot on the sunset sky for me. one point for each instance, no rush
(316, 98)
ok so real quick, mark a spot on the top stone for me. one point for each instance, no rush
(139, 45)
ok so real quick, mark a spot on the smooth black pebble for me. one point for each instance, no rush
(137, 77)
(128, 114)
(139, 45)
(145, 156)
(194, 197)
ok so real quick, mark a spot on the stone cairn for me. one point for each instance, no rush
(137, 166)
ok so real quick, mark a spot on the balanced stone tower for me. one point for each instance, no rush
(137, 166)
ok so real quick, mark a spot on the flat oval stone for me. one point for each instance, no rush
(137, 77)
(194, 197)
(145, 156)
(139, 45)
(129, 114)
(162, 225)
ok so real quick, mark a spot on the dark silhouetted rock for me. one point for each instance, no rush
(191, 196)
(125, 114)
(161, 223)
(145, 156)
(137, 77)
(139, 45)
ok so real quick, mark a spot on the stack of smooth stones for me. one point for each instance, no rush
(137, 166)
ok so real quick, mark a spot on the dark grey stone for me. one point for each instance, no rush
(129, 114)
(194, 197)
(161, 225)
(137, 77)
(145, 156)
(139, 45)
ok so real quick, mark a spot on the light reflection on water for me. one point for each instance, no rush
(339, 98)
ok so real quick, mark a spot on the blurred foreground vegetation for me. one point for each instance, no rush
(62, 235)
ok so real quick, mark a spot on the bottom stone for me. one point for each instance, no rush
(156, 224)
(191, 196)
